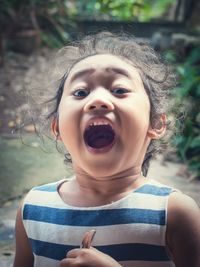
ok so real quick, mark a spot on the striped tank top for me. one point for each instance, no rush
(131, 230)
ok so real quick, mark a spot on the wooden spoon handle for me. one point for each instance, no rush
(87, 239)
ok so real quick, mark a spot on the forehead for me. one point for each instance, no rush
(105, 62)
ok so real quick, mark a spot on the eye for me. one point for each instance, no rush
(81, 93)
(119, 91)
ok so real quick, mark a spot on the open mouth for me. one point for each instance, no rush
(99, 136)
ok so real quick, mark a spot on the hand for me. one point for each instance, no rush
(88, 258)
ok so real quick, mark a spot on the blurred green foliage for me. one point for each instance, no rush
(137, 10)
(187, 96)
(54, 20)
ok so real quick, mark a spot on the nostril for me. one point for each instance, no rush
(98, 107)
(92, 107)
(104, 106)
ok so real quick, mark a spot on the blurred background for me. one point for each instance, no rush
(32, 31)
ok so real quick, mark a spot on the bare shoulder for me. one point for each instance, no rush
(23, 253)
(183, 230)
(182, 204)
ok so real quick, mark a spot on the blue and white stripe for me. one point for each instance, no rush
(131, 230)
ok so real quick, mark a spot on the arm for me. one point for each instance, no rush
(183, 230)
(23, 254)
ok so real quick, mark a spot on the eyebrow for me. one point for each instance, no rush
(91, 70)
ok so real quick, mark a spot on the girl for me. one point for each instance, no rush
(109, 110)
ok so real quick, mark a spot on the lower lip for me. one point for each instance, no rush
(100, 150)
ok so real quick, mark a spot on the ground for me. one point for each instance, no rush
(24, 166)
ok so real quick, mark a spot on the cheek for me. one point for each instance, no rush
(138, 113)
(69, 121)
(136, 125)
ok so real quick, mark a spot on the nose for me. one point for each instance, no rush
(99, 101)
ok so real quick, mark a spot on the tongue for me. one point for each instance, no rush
(100, 140)
(99, 136)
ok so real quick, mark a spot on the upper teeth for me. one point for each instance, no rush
(99, 123)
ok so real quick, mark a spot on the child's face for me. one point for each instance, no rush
(104, 116)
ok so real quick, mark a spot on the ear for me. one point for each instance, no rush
(158, 129)
(55, 128)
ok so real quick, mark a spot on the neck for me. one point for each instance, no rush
(88, 190)
(119, 183)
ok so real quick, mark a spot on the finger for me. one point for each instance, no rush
(67, 263)
(73, 253)
(87, 238)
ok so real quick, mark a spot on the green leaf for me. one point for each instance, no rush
(195, 142)
(181, 70)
